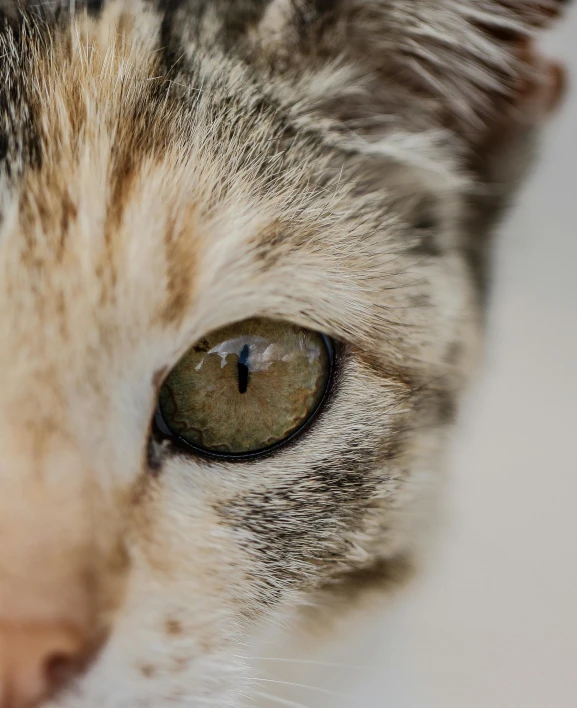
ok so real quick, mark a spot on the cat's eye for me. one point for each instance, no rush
(246, 388)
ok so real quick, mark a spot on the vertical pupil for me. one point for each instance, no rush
(243, 369)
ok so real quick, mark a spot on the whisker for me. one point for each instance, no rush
(318, 689)
(280, 701)
(307, 662)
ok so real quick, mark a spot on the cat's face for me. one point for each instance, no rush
(163, 180)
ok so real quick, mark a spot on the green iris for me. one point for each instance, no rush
(247, 387)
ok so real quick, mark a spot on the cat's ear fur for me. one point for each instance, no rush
(429, 98)
(465, 61)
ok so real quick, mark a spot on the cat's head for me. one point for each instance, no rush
(241, 275)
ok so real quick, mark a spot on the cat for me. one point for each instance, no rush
(243, 261)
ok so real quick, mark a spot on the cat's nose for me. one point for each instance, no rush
(36, 660)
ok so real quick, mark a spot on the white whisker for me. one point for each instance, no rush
(280, 701)
(318, 689)
(311, 662)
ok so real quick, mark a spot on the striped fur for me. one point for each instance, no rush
(168, 169)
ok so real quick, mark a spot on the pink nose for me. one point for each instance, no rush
(36, 660)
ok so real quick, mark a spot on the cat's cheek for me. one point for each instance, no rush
(175, 639)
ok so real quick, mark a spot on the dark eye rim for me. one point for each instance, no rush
(161, 429)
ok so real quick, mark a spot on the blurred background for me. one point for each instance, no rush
(492, 622)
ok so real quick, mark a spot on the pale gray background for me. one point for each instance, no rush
(493, 622)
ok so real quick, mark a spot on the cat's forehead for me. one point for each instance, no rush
(131, 207)
(139, 214)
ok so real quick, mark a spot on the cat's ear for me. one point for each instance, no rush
(467, 61)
